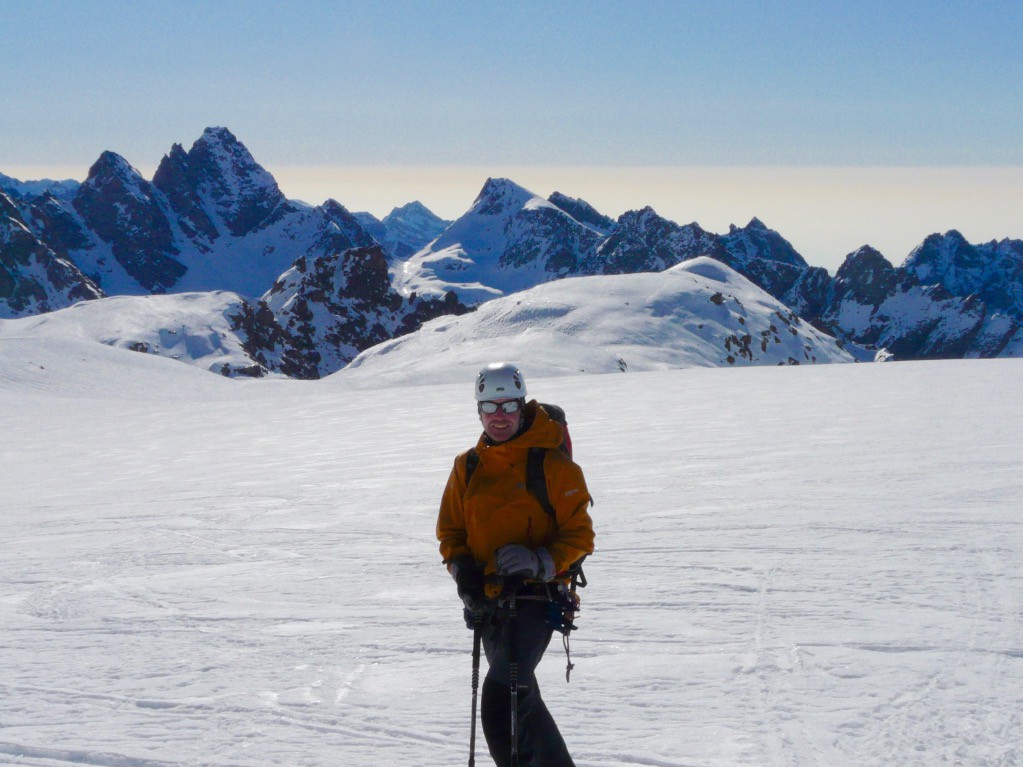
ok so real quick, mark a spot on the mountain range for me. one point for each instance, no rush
(305, 289)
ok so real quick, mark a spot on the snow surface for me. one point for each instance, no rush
(814, 565)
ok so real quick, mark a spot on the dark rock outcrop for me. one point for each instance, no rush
(218, 172)
(34, 279)
(341, 303)
(584, 213)
(118, 205)
(643, 241)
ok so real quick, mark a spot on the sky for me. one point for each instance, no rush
(712, 112)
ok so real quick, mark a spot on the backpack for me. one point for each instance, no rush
(536, 479)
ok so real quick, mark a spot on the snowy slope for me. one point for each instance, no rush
(796, 566)
(74, 372)
(197, 328)
(699, 313)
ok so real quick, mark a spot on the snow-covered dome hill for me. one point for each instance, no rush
(699, 313)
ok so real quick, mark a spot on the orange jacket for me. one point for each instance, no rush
(497, 509)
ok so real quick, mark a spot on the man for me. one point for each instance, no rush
(496, 537)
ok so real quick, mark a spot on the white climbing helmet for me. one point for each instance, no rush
(500, 380)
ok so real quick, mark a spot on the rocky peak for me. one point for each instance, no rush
(644, 241)
(411, 211)
(347, 225)
(410, 228)
(500, 196)
(583, 212)
(173, 169)
(947, 259)
(118, 205)
(757, 241)
(113, 171)
(866, 258)
(219, 176)
(218, 135)
(640, 220)
(175, 179)
(9, 185)
(866, 277)
(333, 306)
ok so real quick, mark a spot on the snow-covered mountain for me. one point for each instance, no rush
(135, 245)
(315, 319)
(510, 240)
(992, 271)
(697, 314)
(218, 189)
(404, 230)
(643, 241)
(919, 312)
(213, 219)
(34, 279)
(14, 188)
(323, 313)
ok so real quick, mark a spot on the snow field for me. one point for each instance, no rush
(795, 566)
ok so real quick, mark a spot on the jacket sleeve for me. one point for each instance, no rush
(451, 527)
(571, 500)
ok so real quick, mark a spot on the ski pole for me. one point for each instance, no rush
(477, 633)
(513, 679)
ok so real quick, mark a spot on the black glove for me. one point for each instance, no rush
(474, 618)
(468, 577)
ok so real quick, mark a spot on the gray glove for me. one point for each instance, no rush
(516, 559)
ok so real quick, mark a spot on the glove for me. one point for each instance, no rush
(468, 577)
(515, 559)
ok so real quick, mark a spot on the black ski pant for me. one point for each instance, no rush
(540, 742)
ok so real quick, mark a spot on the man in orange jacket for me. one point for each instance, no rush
(495, 535)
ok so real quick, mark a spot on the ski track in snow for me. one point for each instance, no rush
(795, 567)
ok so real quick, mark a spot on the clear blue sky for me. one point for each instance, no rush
(537, 83)
(379, 103)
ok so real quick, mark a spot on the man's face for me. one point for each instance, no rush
(500, 426)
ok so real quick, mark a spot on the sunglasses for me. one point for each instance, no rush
(511, 406)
